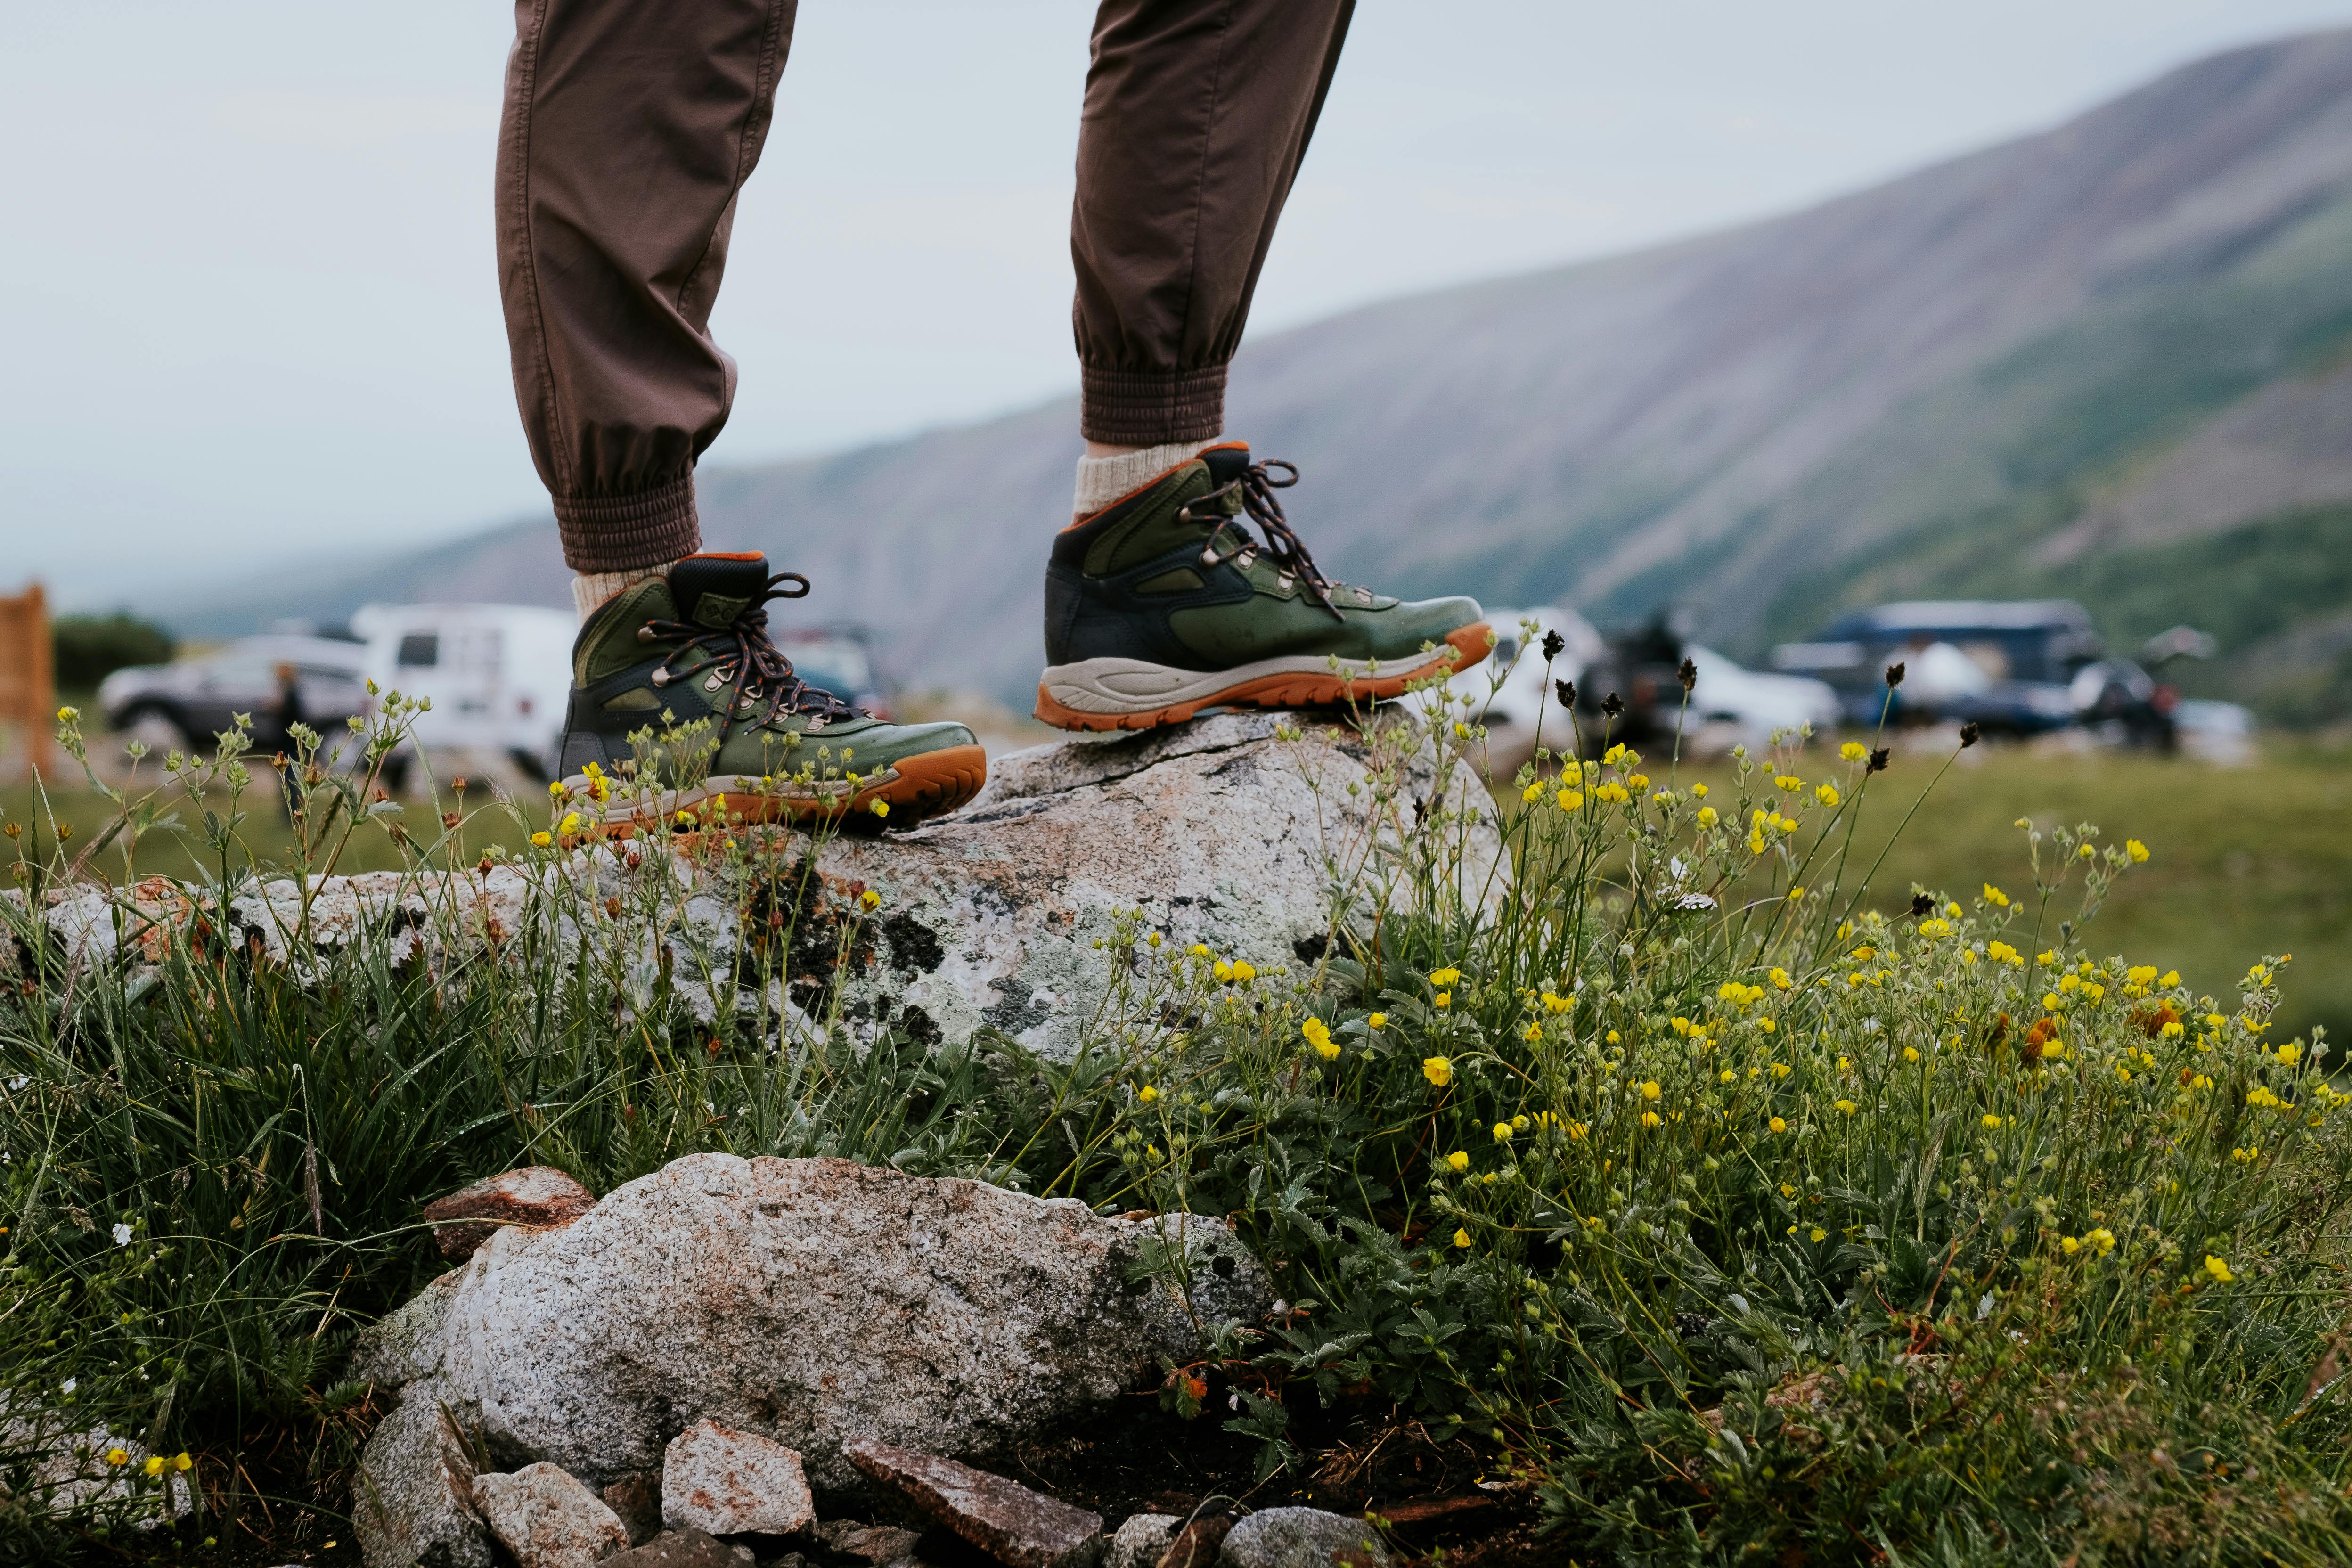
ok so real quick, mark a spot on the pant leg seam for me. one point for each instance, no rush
(567, 463)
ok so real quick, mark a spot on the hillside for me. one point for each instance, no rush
(2088, 361)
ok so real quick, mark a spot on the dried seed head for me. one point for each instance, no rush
(1566, 690)
(1612, 705)
(1552, 645)
(1687, 673)
(1895, 675)
(1970, 733)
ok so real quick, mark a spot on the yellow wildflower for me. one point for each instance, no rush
(1990, 1122)
(1846, 1107)
(1438, 1070)
(1377, 1020)
(1570, 800)
(1651, 1091)
(118, 1456)
(1652, 1118)
(1459, 1160)
(1147, 1094)
(2102, 1238)
(1502, 1132)
(2069, 1246)
(1854, 751)
(1826, 794)
(1780, 980)
(1443, 977)
(1243, 970)
(1817, 1233)
(1533, 793)
(1319, 1035)
(1443, 999)
(1778, 1125)
(542, 840)
(2219, 1270)
(2136, 849)
(1461, 1238)
(870, 899)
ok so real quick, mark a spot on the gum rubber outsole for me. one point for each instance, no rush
(1302, 688)
(927, 785)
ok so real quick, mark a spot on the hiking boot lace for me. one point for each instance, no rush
(1257, 484)
(759, 667)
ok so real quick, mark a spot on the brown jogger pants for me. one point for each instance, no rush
(631, 125)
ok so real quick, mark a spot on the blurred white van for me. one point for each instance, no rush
(499, 675)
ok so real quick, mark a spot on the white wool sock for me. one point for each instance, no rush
(1102, 481)
(591, 591)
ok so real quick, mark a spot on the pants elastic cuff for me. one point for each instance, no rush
(620, 533)
(1150, 408)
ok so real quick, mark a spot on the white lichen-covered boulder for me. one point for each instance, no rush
(809, 1302)
(1221, 831)
(1235, 831)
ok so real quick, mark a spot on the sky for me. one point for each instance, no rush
(248, 305)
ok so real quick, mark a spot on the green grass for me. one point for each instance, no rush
(2246, 861)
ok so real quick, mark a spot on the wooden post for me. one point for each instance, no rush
(28, 693)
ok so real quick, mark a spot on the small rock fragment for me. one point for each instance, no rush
(637, 1498)
(1302, 1538)
(1139, 1542)
(727, 1482)
(547, 1519)
(536, 1195)
(884, 1544)
(683, 1549)
(1003, 1519)
(412, 1499)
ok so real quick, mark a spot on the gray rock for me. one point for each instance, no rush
(547, 1519)
(1302, 1538)
(1219, 832)
(727, 1482)
(1215, 829)
(806, 1300)
(684, 1549)
(1002, 1518)
(1138, 1543)
(534, 1196)
(412, 1497)
(882, 1543)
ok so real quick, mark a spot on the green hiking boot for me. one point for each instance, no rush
(1164, 605)
(694, 645)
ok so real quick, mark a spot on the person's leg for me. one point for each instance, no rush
(629, 128)
(1158, 603)
(1197, 113)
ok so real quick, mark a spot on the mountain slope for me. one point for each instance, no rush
(2074, 350)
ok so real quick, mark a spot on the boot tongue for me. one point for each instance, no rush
(713, 590)
(1226, 463)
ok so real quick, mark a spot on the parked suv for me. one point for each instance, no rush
(185, 704)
